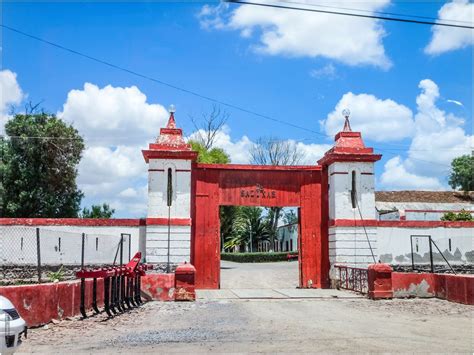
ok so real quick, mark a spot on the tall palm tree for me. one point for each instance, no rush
(249, 224)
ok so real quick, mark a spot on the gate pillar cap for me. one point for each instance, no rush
(170, 144)
(380, 267)
(349, 146)
(185, 269)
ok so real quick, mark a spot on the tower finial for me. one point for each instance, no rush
(171, 121)
(347, 125)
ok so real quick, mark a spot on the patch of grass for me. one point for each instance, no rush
(56, 276)
(256, 257)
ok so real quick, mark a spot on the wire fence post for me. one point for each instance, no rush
(38, 254)
(82, 250)
(82, 306)
(121, 249)
(431, 256)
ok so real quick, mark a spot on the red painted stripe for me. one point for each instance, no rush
(400, 224)
(352, 223)
(183, 170)
(339, 173)
(173, 221)
(237, 167)
(437, 211)
(156, 170)
(367, 173)
(85, 222)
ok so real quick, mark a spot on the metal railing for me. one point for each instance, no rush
(353, 278)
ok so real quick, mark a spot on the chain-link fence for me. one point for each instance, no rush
(30, 255)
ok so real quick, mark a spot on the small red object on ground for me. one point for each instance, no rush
(380, 281)
(292, 256)
(185, 283)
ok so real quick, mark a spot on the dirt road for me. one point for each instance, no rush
(325, 325)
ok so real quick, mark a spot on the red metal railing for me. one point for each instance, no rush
(353, 278)
(122, 285)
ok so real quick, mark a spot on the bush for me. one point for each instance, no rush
(257, 257)
(461, 216)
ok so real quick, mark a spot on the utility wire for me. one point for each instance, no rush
(365, 230)
(371, 12)
(241, 2)
(135, 73)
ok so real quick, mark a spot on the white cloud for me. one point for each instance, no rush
(10, 93)
(439, 138)
(313, 152)
(396, 177)
(328, 71)
(379, 120)
(446, 39)
(350, 40)
(113, 115)
(459, 103)
(107, 164)
(239, 150)
(116, 123)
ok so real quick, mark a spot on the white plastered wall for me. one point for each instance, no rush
(157, 244)
(157, 187)
(394, 244)
(157, 235)
(351, 246)
(63, 244)
(340, 184)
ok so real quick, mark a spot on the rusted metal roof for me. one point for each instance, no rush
(425, 196)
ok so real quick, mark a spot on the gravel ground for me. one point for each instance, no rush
(259, 275)
(359, 325)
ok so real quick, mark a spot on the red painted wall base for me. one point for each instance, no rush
(454, 288)
(41, 303)
(159, 287)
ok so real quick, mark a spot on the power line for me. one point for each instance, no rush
(223, 103)
(371, 12)
(241, 2)
(135, 73)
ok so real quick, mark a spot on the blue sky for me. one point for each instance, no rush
(295, 67)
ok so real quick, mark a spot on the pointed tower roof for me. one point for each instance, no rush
(349, 146)
(170, 144)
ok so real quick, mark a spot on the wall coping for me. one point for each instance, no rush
(400, 224)
(83, 222)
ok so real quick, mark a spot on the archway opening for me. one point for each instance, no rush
(259, 247)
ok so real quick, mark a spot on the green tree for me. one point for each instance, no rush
(98, 211)
(250, 226)
(462, 173)
(290, 217)
(38, 167)
(210, 155)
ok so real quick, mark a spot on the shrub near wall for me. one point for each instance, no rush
(256, 257)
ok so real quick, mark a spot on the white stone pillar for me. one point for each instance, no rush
(172, 154)
(352, 225)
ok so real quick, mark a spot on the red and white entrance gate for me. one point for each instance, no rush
(267, 186)
(183, 225)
